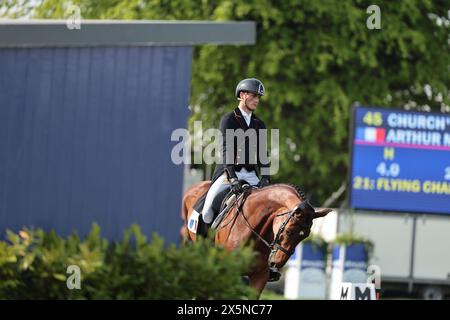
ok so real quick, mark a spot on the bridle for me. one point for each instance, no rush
(274, 246)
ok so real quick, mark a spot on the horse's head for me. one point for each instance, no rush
(289, 228)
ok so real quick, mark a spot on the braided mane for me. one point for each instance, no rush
(299, 190)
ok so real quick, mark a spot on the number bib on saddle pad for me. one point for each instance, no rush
(193, 221)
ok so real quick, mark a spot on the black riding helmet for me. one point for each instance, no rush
(250, 85)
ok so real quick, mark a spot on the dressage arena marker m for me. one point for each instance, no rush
(357, 291)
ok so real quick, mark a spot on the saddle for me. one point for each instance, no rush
(221, 205)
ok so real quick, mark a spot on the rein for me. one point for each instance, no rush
(275, 245)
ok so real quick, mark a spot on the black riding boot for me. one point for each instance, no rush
(203, 227)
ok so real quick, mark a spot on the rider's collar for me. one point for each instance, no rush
(245, 114)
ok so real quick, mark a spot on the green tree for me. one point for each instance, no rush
(316, 59)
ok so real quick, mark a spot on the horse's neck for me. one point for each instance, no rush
(261, 220)
(264, 208)
(259, 211)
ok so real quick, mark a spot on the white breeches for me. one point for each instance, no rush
(221, 184)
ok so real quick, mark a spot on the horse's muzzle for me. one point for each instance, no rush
(274, 274)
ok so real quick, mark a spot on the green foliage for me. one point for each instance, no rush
(317, 242)
(316, 59)
(271, 295)
(33, 265)
(352, 238)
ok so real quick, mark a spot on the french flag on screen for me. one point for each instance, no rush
(371, 134)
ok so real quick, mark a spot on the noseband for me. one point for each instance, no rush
(275, 245)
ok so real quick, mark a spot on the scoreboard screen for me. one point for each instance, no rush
(400, 161)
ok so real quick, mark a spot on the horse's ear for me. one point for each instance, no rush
(321, 212)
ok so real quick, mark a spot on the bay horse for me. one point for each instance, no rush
(277, 217)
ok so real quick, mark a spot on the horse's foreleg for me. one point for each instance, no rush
(258, 281)
(184, 235)
(184, 231)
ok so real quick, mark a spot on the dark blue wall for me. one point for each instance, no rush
(85, 136)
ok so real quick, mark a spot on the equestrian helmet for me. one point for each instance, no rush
(250, 85)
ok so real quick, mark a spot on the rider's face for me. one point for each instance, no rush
(251, 100)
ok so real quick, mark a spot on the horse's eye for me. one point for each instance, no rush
(288, 233)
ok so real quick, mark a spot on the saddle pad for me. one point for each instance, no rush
(198, 206)
(217, 202)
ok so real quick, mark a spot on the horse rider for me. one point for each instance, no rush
(239, 161)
